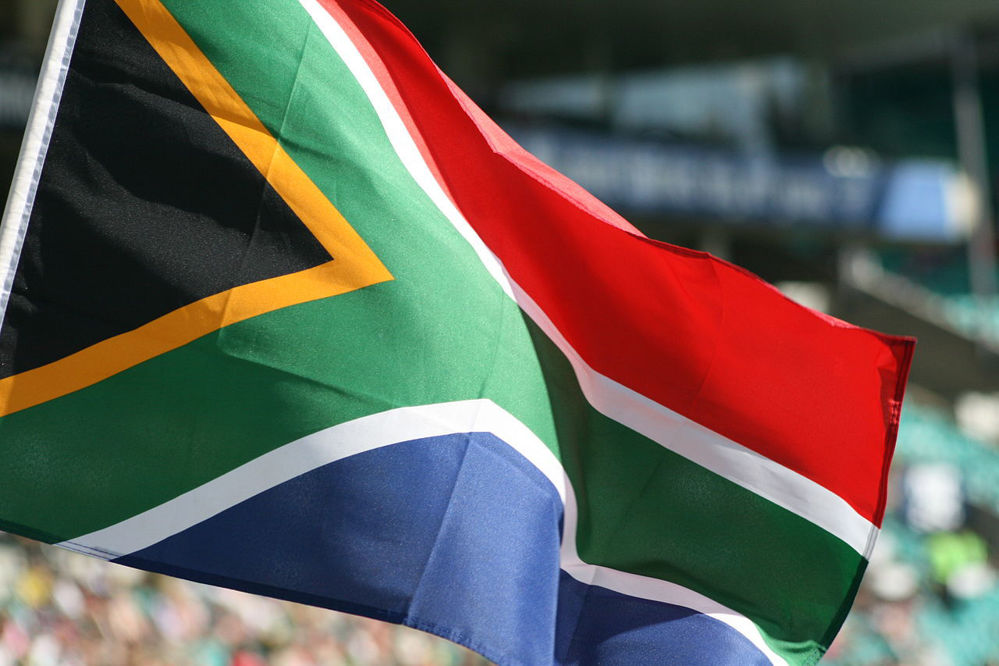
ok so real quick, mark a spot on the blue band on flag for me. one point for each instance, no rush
(456, 535)
(600, 626)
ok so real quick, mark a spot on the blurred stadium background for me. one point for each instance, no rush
(848, 152)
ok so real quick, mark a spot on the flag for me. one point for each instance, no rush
(285, 312)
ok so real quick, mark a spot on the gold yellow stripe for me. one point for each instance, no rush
(354, 265)
(232, 114)
(172, 330)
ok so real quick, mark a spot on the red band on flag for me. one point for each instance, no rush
(689, 331)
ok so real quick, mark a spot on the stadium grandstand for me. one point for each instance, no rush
(846, 152)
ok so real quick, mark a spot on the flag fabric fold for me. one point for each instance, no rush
(284, 311)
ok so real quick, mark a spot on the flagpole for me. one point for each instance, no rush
(37, 134)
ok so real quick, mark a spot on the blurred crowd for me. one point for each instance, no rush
(58, 608)
(930, 595)
(905, 616)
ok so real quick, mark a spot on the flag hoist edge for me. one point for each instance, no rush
(285, 312)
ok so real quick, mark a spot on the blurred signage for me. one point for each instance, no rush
(843, 189)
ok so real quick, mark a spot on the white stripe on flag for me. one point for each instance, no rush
(385, 429)
(743, 466)
(313, 451)
(400, 138)
(785, 487)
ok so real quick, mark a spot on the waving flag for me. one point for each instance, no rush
(285, 312)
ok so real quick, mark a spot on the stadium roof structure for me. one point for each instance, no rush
(525, 38)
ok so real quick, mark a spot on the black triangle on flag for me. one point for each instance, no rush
(145, 205)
